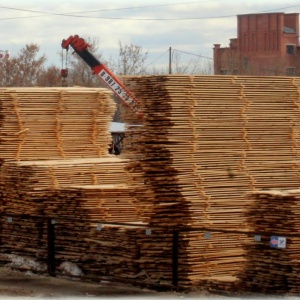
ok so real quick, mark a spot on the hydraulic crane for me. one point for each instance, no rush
(80, 46)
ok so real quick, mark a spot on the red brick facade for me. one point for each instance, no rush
(267, 44)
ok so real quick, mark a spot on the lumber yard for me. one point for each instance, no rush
(205, 193)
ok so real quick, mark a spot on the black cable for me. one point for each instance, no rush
(145, 6)
(156, 59)
(100, 10)
(136, 19)
(193, 54)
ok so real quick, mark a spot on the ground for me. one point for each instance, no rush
(15, 283)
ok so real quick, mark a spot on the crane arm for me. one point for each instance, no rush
(106, 75)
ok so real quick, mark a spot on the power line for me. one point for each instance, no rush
(193, 54)
(145, 6)
(157, 58)
(14, 18)
(73, 15)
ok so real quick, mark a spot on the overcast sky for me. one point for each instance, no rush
(155, 25)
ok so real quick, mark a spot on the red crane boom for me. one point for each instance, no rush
(80, 46)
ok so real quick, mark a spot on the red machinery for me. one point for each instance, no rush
(81, 48)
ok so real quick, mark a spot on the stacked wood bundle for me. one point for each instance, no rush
(112, 252)
(76, 192)
(206, 140)
(55, 164)
(22, 237)
(51, 174)
(54, 123)
(106, 203)
(209, 139)
(207, 258)
(271, 267)
(77, 209)
(23, 183)
(156, 256)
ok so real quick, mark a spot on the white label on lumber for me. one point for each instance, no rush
(278, 242)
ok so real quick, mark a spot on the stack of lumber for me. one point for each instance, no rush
(210, 257)
(77, 209)
(82, 190)
(268, 269)
(205, 142)
(23, 237)
(156, 256)
(55, 164)
(106, 203)
(54, 123)
(51, 174)
(209, 139)
(112, 252)
(23, 183)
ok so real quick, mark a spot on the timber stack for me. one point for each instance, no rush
(54, 123)
(273, 262)
(55, 164)
(206, 141)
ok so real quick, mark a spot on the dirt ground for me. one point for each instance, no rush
(25, 285)
(17, 283)
(14, 283)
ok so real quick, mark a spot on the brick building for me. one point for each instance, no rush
(267, 44)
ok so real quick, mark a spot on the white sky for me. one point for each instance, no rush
(203, 23)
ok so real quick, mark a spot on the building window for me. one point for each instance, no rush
(246, 62)
(235, 72)
(290, 49)
(290, 71)
(223, 72)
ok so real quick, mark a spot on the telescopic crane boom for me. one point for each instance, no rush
(80, 46)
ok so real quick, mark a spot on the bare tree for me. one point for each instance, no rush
(24, 69)
(131, 60)
(50, 77)
(5, 72)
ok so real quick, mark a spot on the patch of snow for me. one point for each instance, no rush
(69, 268)
(27, 263)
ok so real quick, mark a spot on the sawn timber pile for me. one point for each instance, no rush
(54, 123)
(55, 164)
(72, 187)
(207, 140)
(273, 213)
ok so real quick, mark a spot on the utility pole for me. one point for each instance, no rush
(170, 60)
